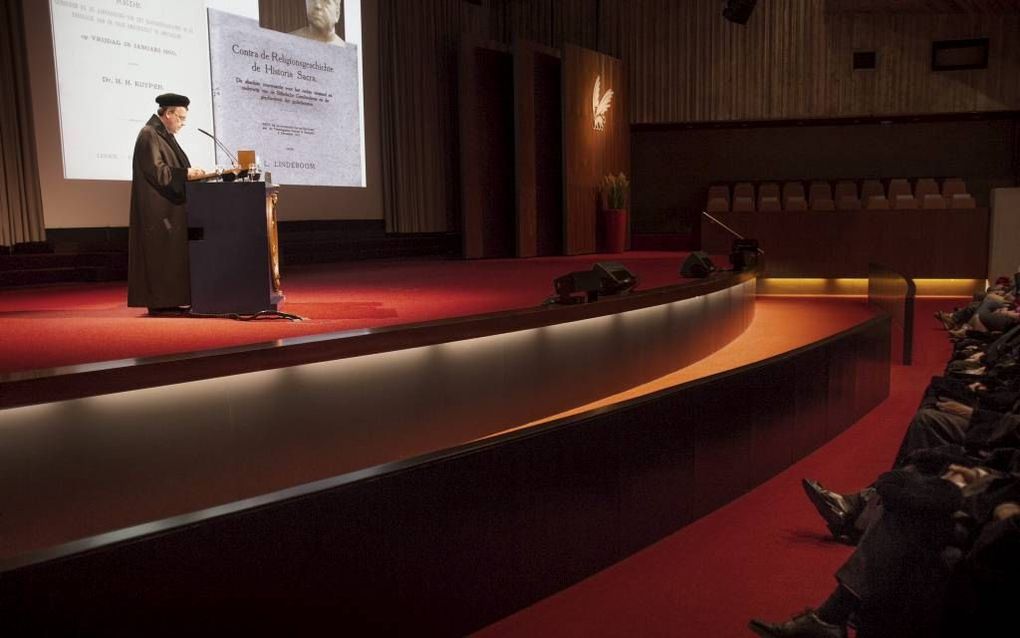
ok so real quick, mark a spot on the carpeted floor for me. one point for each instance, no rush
(763, 555)
(54, 326)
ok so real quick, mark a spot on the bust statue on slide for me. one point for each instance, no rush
(322, 18)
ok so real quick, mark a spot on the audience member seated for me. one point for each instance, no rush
(937, 536)
(1000, 297)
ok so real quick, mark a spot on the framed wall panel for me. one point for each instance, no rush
(591, 149)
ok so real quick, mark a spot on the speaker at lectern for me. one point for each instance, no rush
(233, 246)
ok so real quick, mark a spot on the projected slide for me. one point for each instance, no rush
(113, 58)
(296, 101)
(293, 100)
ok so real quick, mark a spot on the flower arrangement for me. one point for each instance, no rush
(615, 189)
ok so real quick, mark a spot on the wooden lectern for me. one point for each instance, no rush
(233, 246)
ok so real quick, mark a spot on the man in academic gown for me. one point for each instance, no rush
(158, 275)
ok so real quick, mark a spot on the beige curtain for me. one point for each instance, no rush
(419, 43)
(21, 214)
(418, 47)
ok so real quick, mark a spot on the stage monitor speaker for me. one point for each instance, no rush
(739, 11)
(580, 281)
(697, 264)
(615, 277)
(744, 254)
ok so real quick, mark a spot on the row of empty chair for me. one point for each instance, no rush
(925, 193)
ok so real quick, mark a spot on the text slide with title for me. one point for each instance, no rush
(294, 101)
(112, 58)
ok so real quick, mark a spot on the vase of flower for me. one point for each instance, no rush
(615, 219)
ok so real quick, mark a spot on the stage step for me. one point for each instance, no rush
(51, 268)
(101, 255)
(309, 251)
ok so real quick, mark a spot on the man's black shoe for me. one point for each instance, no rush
(172, 311)
(832, 507)
(806, 625)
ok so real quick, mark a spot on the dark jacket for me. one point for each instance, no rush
(158, 275)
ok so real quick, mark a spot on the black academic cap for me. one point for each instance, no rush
(172, 99)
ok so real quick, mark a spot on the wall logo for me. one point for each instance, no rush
(600, 104)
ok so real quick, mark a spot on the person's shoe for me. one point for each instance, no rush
(805, 625)
(171, 311)
(946, 319)
(831, 506)
(958, 333)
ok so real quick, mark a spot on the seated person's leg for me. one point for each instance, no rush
(931, 428)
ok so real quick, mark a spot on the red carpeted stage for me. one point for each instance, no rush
(65, 325)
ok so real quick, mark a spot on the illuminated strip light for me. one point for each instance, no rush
(229, 438)
(859, 286)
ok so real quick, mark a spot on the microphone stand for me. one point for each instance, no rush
(728, 229)
(220, 144)
(736, 252)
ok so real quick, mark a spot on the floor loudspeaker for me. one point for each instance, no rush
(615, 277)
(581, 281)
(697, 264)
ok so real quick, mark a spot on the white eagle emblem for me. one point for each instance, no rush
(600, 105)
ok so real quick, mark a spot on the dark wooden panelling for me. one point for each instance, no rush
(656, 456)
(919, 243)
(771, 451)
(524, 148)
(894, 294)
(793, 60)
(548, 155)
(446, 544)
(590, 154)
(722, 444)
(538, 133)
(487, 150)
(810, 393)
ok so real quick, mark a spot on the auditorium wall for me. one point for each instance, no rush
(674, 165)
(793, 59)
(684, 63)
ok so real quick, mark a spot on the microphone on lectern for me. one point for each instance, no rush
(220, 144)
